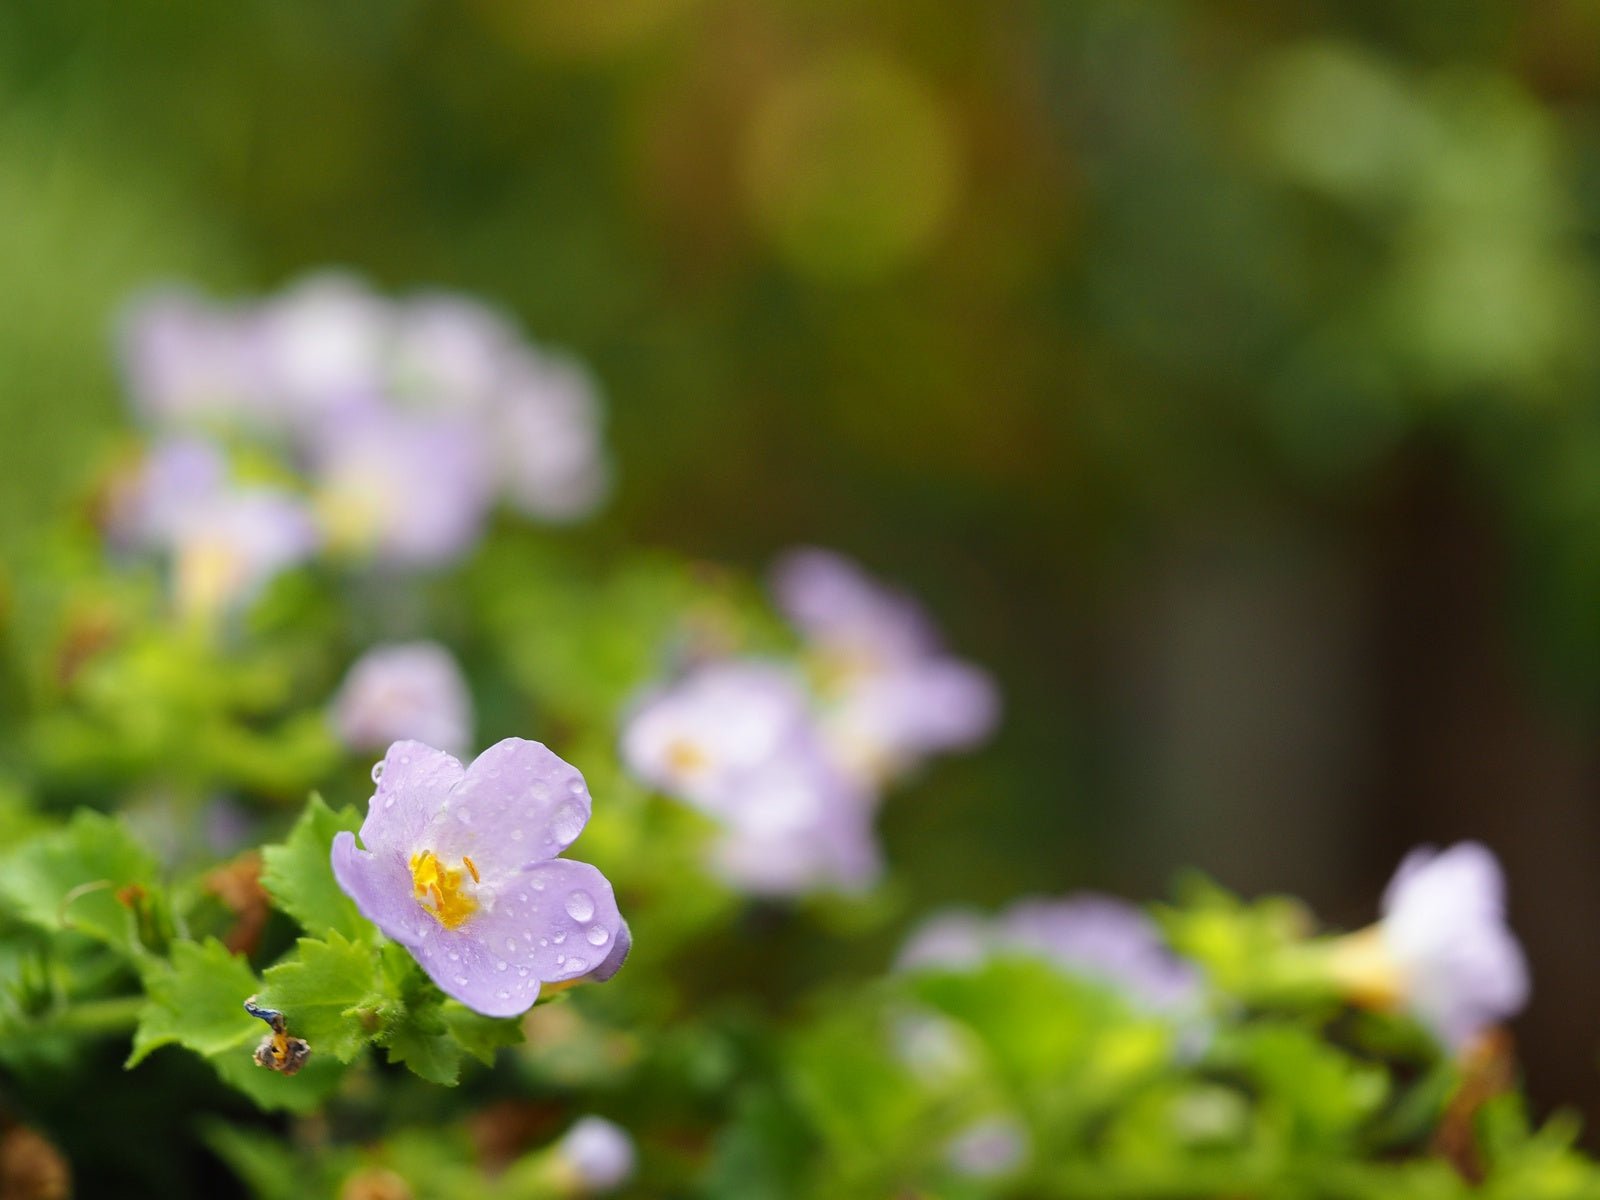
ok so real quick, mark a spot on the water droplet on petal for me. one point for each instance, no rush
(598, 935)
(377, 775)
(503, 994)
(523, 971)
(463, 815)
(501, 964)
(580, 906)
(516, 835)
(544, 941)
(575, 787)
(561, 937)
(454, 957)
(561, 959)
(461, 980)
(566, 823)
(511, 945)
(405, 760)
(389, 802)
(577, 964)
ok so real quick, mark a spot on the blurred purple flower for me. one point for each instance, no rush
(721, 720)
(404, 489)
(1442, 948)
(226, 551)
(890, 696)
(794, 824)
(735, 740)
(322, 343)
(1086, 935)
(450, 353)
(547, 435)
(176, 476)
(598, 1152)
(459, 867)
(189, 363)
(412, 690)
(988, 1149)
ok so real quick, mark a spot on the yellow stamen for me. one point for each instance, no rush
(435, 882)
(473, 867)
(685, 757)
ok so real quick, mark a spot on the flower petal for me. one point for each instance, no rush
(517, 804)
(556, 921)
(380, 884)
(411, 784)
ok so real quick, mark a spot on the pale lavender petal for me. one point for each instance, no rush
(833, 602)
(411, 690)
(548, 439)
(956, 939)
(413, 781)
(323, 340)
(553, 922)
(381, 886)
(187, 362)
(178, 476)
(621, 946)
(518, 803)
(450, 352)
(404, 488)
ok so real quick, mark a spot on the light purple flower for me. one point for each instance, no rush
(735, 739)
(989, 1149)
(450, 353)
(598, 1152)
(1444, 949)
(412, 690)
(322, 343)
(226, 551)
(547, 436)
(460, 867)
(405, 489)
(1086, 935)
(176, 477)
(794, 824)
(719, 721)
(889, 695)
(189, 363)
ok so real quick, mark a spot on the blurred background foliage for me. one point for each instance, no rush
(1222, 374)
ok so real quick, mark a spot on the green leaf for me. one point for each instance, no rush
(197, 1001)
(70, 878)
(299, 875)
(427, 1048)
(478, 1035)
(331, 994)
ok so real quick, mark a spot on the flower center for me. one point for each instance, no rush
(439, 888)
(1366, 971)
(685, 757)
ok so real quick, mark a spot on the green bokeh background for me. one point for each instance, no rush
(1223, 374)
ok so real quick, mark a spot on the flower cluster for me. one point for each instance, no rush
(459, 866)
(1086, 935)
(400, 423)
(790, 756)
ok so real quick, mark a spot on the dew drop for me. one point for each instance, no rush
(538, 885)
(501, 964)
(544, 941)
(598, 935)
(511, 945)
(389, 803)
(580, 906)
(561, 937)
(575, 787)
(405, 760)
(454, 957)
(377, 775)
(561, 959)
(516, 835)
(566, 823)
(577, 964)
(523, 971)
(523, 896)
(461, 980)
(463, 815)
(503, 994)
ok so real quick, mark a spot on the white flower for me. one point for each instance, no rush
(599, 1152)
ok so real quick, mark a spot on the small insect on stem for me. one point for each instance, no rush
(278, 1051)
